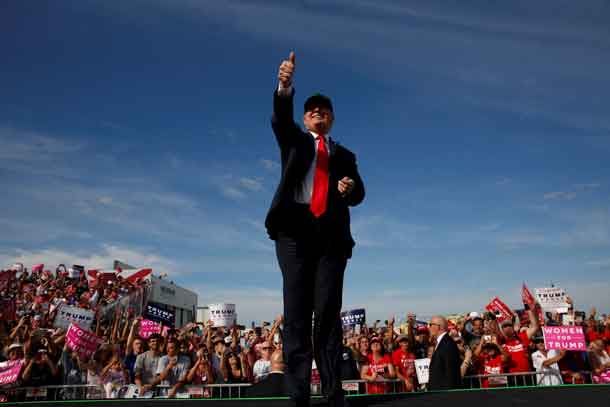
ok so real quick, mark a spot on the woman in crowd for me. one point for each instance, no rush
(492, 359)
(600, 362)
(233, 368)
(545, 361)
(113, 377)
(378, 368)
(201, 372)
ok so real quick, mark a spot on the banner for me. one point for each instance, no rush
(422, 369)
(223, 314)
(353, 317)
(148, 327)
(500, 310)
(564, 338)
(67, 314)
(82, 341)
(552, 299)
(9, 371)
(156, 313)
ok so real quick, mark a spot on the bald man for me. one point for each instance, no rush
(273, 384)
(445, 363)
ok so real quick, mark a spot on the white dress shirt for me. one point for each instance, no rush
(438, 339)
(305, 190)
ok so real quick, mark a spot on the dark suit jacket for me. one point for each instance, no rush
(271, 386)
(445, 366)
(297, 149)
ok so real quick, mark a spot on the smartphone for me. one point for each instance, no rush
(487, 338)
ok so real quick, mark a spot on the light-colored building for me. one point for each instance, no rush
(179, 299)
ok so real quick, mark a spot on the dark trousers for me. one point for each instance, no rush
(313, 282)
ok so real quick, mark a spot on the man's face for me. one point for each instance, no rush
(477, 326)
(508, 331)
(171, 349)
(404, 345)
(153, 344)
(137, 346)
(219, 347)
(318, 119)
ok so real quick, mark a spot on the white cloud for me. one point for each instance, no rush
(103, 258)
(251, 184)
(269, 165)
(560, 195)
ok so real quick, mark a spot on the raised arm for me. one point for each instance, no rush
(285, 129)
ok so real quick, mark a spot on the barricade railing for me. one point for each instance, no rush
(543, 378)
(239, 390)
(54, 392)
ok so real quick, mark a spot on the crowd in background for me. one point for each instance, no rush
(201, 353)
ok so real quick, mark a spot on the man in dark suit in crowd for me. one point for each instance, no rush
(310, 222)
(445, 363)
(274, 383)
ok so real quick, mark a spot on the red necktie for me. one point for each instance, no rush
(320, 180)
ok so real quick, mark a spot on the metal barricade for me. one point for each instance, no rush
(216, 391)
(521, 379)
(385, 386)
(54, 393)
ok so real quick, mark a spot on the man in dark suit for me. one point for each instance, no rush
(310, 222)
(445, 363)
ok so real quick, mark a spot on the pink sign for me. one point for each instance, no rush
(9, 371)
(564, 338)
(148, 327)
(82, 341)
(500, 310)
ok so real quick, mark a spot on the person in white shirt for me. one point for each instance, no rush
(545, 361)
(262, 367)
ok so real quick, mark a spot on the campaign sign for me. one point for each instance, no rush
(68, 314)
(148, 327)
(552, 299)
(158, 314)
(500, 310)
(353, 317)
(422, 369)
(9, 371)
(564, 338)
(82, 341)
(222, 314)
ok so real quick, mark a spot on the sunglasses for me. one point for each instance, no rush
(433, 323)
(267, 348)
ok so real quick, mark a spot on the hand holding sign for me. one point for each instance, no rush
(286, 71)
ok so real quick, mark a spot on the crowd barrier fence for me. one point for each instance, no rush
(233, 391)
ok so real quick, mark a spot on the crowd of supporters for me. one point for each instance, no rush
(162, 364)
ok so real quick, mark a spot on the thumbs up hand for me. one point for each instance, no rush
(286, 71)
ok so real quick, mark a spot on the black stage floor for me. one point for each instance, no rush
(566, 396)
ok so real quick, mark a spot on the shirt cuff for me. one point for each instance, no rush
(282, 91)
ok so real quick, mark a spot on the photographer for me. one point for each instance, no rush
(40, 369)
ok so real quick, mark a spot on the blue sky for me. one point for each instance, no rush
(140, 130)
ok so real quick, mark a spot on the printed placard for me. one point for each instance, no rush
(353, 317)
(158, 314)
(552, 299)
(222, 314)
(564, 338)
(67, 314)
(148, 327)
(82, 341)
(9, 371)
(500, 310)
(422, 369)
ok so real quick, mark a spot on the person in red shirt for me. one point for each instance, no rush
(377, 369)
(517, 346)
(403, 360)
(491, 360)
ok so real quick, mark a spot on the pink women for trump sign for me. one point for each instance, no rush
(564, 338)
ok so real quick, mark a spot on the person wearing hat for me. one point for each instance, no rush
(377, 368)
(403, 358)
(492, 360)
(517, 344)
(309, 221)
(15, 352)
